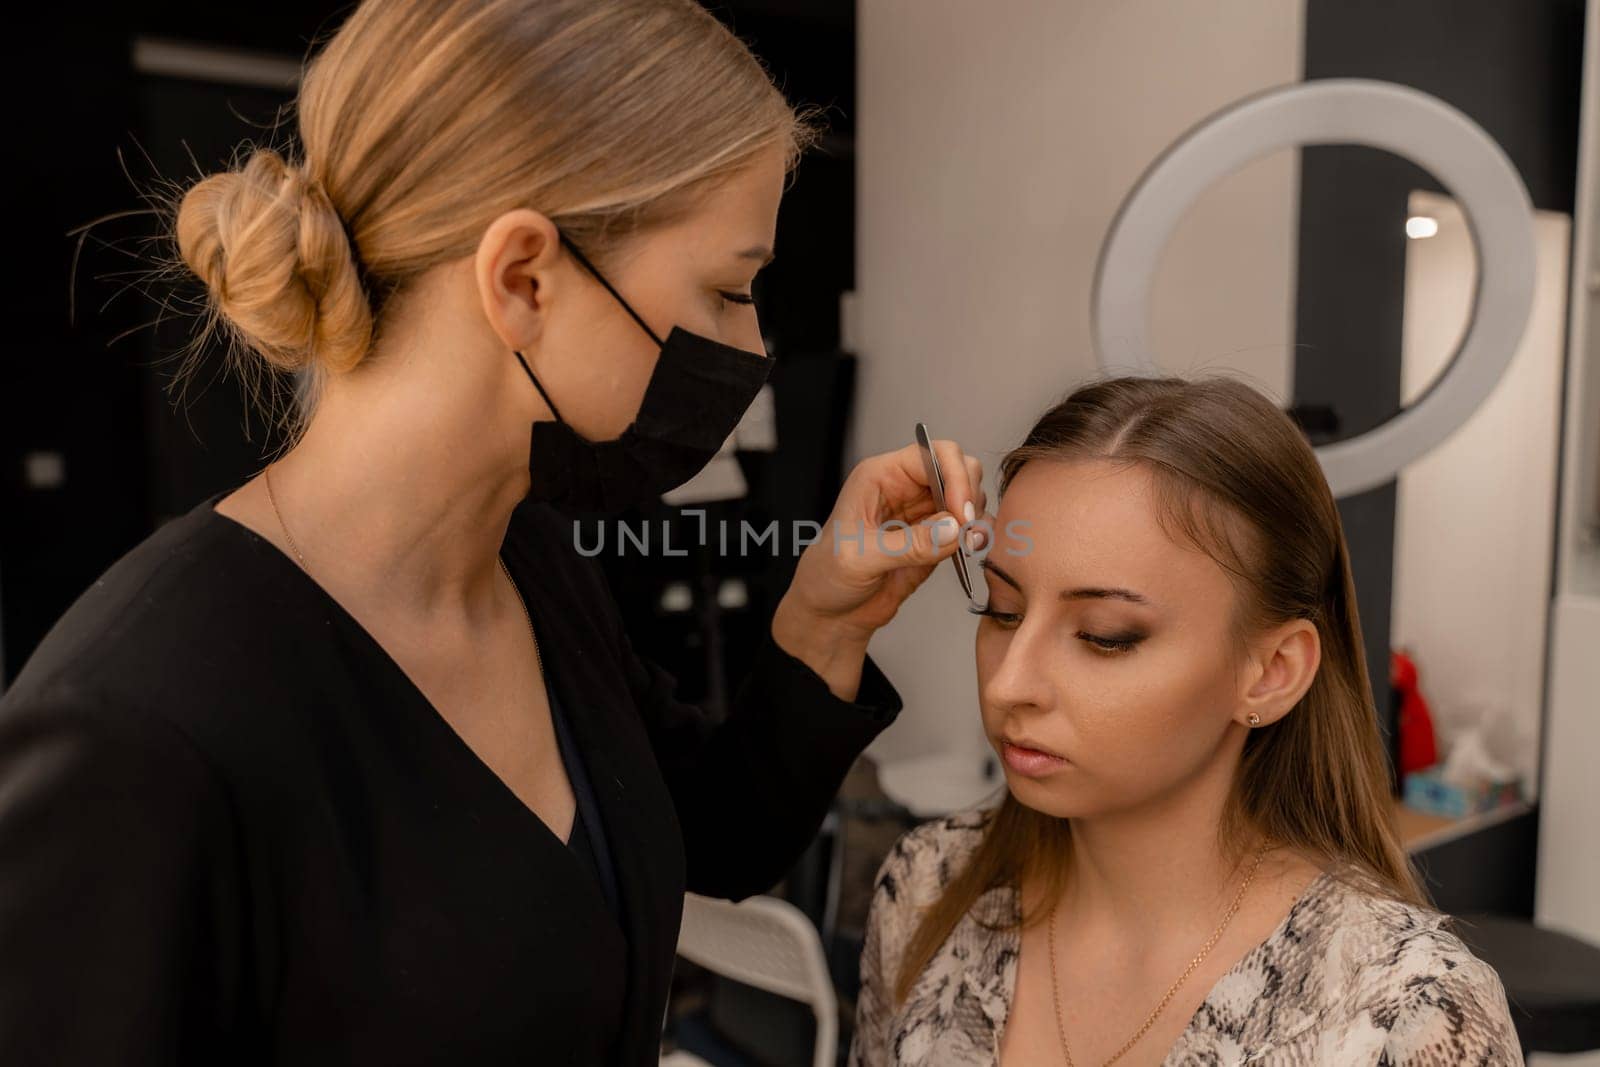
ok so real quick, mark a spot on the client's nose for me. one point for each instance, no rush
(1021, 680)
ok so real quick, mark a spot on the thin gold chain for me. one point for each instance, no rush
(537, 658)
(1055, 988)
(266, 476)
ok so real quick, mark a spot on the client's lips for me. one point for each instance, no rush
(1028, 760)
(1024, 743)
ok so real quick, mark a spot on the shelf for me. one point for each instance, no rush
(1420, 830)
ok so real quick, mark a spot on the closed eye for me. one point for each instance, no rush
(1008, 620)
(1112, 646)
(737, 298)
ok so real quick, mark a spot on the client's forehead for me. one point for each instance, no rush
(1097, 523)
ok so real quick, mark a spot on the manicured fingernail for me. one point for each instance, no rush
(971, 512)
(945, 529)
(977, 537)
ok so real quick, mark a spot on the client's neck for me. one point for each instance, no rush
(1158, 869)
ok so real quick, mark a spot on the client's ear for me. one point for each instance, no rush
(1283, 665)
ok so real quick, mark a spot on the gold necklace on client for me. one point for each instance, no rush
(1055, 989)
(266, 476)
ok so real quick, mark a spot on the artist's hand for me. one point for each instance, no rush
(881, 541)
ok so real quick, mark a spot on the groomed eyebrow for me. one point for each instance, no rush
(1090, 592)
(761, 253)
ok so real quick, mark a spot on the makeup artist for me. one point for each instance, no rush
(354, 763)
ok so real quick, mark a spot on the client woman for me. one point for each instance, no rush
(1194, 861)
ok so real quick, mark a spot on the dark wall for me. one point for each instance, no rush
(810, 48)
(1513, 66)
(81, 380)
(65, 388)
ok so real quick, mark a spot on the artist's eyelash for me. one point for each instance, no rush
(737, 298)
(1108, 645)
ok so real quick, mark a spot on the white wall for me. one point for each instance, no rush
(995, 142)
(1475, 518)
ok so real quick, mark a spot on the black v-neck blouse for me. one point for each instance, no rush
(597, 1026)
(232, 830)
(587, 839)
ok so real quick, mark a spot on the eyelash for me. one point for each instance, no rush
(737, 298)
(1110, 646)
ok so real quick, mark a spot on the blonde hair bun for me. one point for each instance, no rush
(277, 259)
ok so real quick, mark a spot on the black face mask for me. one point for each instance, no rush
(696, 395)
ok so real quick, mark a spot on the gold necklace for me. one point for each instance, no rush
(266, 476)
(538, 658)
(1055, 989)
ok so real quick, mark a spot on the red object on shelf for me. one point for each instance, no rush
(1418, 747)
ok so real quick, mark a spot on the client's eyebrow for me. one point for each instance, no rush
(1091, 592)
(761, 253)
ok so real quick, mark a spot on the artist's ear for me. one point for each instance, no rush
(515, 271)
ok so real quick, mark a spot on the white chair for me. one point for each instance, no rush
(767, 943)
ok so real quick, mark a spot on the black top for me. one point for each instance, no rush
(233, 831)
(588, 837)
(587, 842)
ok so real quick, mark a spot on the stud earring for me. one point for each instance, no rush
(1255, 720)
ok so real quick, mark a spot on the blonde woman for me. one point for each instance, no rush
(354, 764)
(1193, 862)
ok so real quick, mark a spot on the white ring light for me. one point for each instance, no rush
(1411, 124)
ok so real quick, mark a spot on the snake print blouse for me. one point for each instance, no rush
(1346, 979)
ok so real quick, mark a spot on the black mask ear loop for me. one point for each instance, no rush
(529, 372)
(601, 278)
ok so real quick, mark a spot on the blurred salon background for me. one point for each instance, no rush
(946, 232)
